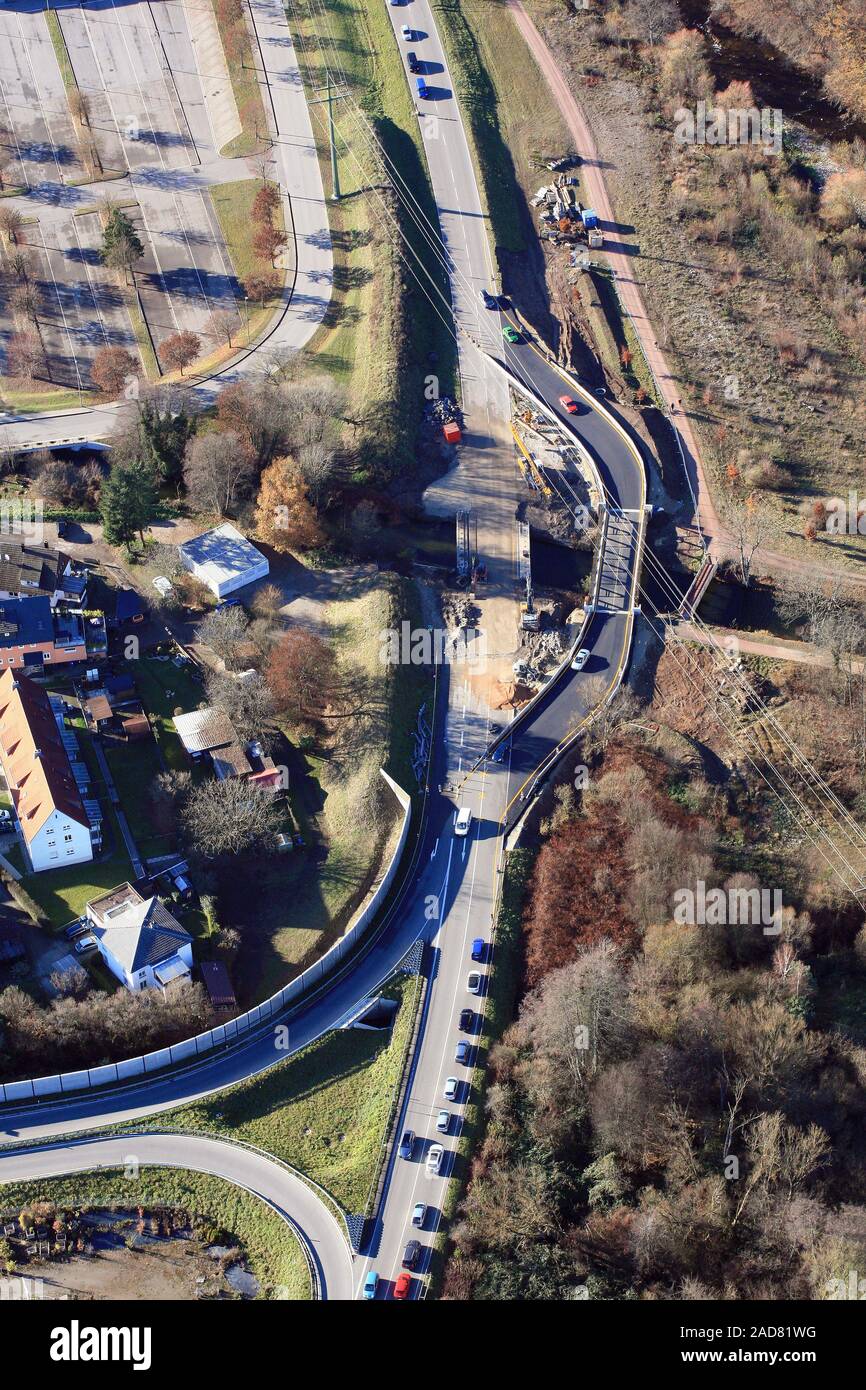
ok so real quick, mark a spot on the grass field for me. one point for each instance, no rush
(324, 1111)
(35, 398)
(301, 907)
(61, 51)
(163, 689)
(271, 1248)
(243, 62)
(380, 330)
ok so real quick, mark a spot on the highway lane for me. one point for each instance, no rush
(293, 1199)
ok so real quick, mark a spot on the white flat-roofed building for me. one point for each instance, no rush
(224, 560)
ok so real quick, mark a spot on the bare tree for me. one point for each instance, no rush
(219, 472)
(229, 817)
(749, 531)
(222, 632)
(247, 701)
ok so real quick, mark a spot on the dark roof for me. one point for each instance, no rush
(216, 981)
(136, 931)
(118, 685)
(129, 604)
(30, 568)
(26, 622)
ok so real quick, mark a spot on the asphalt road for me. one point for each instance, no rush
(287, 1194)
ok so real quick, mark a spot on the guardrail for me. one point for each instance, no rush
(111, 1073)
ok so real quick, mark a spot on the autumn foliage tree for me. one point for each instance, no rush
(285, 517)
(179, 350)
(302, 675)
(112, 367)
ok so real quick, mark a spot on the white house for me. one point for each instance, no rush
(224, 560)
(139, 940)
(54, 824)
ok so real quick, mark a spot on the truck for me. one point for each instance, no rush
(594, 239)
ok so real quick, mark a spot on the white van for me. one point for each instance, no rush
(463, 821)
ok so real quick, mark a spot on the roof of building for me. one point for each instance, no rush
(26, 622)
(221, 554)
(136, 931)
(31, 569)
(204, 729)
(98, 707)
(128, 605)
(217, 982)
(230, 762)
(34, 759)
(136, 725)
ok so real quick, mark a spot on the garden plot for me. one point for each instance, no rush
(33, 106)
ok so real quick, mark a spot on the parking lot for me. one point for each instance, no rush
(135, 66)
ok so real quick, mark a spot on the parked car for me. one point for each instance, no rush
(412, 60)
(229, 603)
(581, 659)
(467, 1020)
(407, 1144)
(435, 1156)
(87, 943)
(463, 821)
(406, 32)
(412, 1254)
(443, 1120)
(371, 1284)
(462, 1053)
(76, 929)
(421, 88)
(487, 299)
(510, 333)
(478, 949)
(473, 982)
(402, 1285)
(570, 404)
(419, 1214)
(452, 1086)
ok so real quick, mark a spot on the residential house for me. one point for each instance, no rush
(140, 941)
(223, 559)
(34, 635)
(210, 734)
(217, 982)
(55, 825)
(37, 571)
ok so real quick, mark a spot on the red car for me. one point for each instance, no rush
(569, 403)
(402, 1285)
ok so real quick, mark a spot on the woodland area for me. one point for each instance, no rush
(678, 1111)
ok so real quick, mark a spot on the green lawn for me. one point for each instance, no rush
(243, 71)
(163, 689)
(271, 1249)
(324, 1111)
(133, 768)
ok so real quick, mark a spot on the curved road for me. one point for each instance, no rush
(288, 1195)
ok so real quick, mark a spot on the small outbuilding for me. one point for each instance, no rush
(224, 560)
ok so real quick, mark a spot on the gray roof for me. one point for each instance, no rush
(136, 931)
(30, 569)
(204, 729)
(221, 554)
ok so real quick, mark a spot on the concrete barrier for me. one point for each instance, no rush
(203, 1043)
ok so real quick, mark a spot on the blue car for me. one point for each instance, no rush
(421, 86)
(478, 949)
(229, 603)
(371, 1284)
(407, 1143)
(462, 1053)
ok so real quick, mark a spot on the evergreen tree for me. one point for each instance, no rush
(127, 503)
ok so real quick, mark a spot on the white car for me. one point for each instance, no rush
(473, 982)
(5, 817)
(443, 1120)
(463, 821)
(581, 659)
(435, 1156)
(419, 1213)
(406, 32)
(87, 943)
(450, 1092)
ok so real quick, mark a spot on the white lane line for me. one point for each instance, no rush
(87, 274)
(72, 351)
(37, 90)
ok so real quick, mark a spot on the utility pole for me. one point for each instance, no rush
(330, 97)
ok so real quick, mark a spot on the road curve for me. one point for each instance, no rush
(290, 1197)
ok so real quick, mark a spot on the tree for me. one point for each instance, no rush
(11, 222)
(25, 356)
(248, 703)
(266, 202)
(653, 19)
(20, 264)
(302, 675)
(159, 434)
(222, 325)
(127, 503)
(749, 531)
(223, 631)
(260, 288)
(319, 468)
(219, 472)
(268, 242)
(121, 244)
(111, 369)
(178, 350)
(79, 105)
(229, 817)
(285, 518)
(259, 414)
(26, 300)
